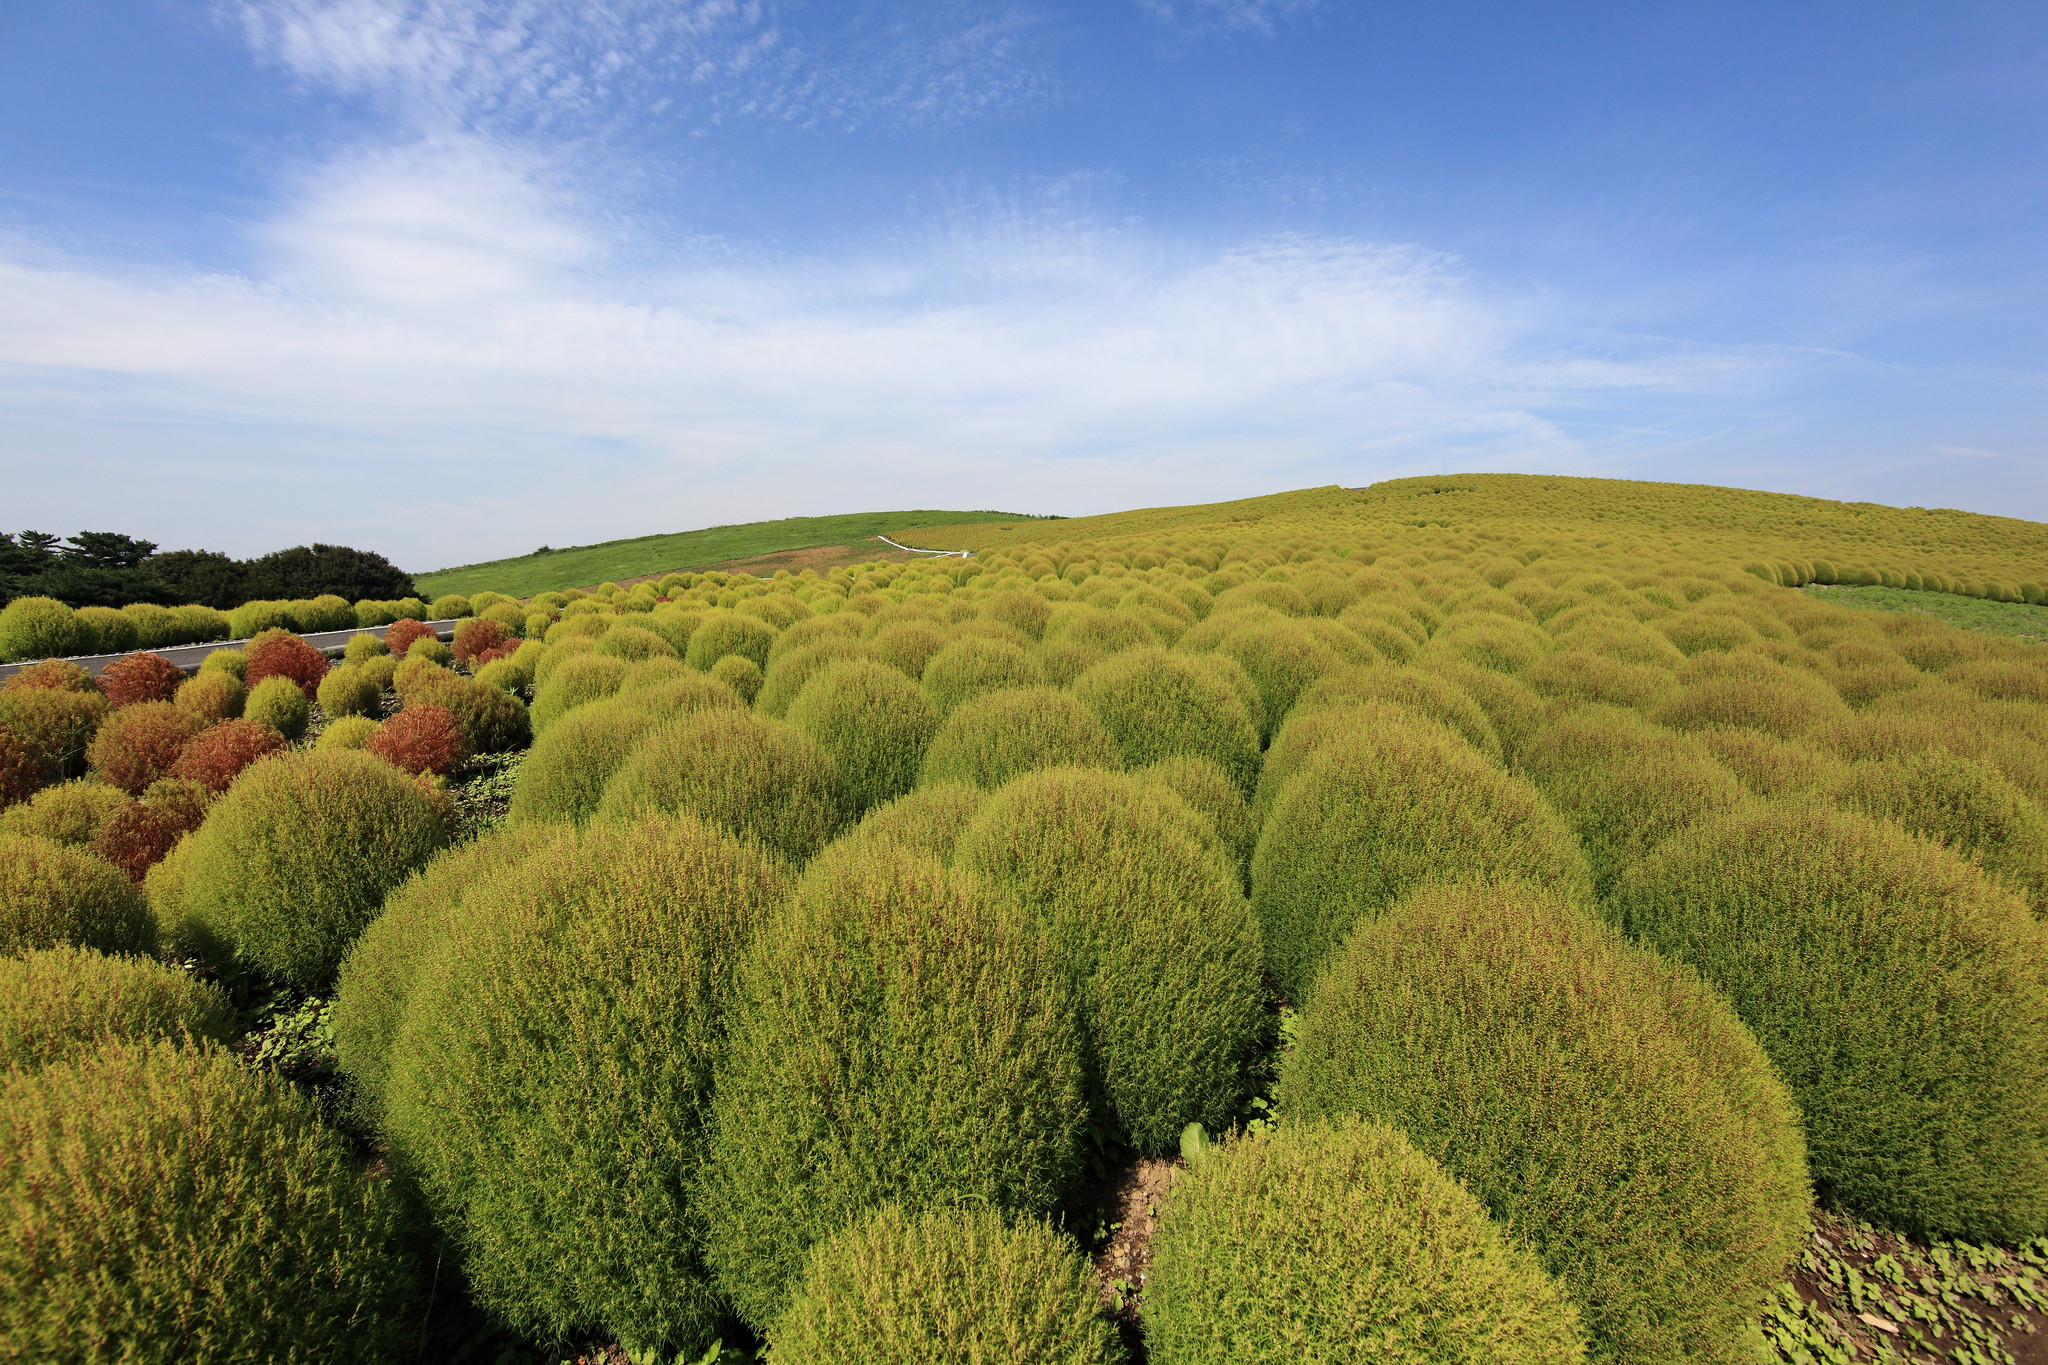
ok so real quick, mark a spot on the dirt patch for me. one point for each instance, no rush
(1123, 1260)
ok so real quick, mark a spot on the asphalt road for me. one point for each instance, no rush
(189, 657)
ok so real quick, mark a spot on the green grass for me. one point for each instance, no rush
(2019, 619)
(585, 565)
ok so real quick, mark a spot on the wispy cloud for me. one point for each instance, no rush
(1259, 16)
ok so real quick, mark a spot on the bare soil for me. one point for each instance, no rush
(1133, 1198)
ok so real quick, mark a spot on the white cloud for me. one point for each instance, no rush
(1259, 16)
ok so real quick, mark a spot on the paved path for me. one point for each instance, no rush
(189, 657)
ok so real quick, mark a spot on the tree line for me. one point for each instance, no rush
(108, 569)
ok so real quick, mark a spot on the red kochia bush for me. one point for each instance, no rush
(281, 654)
(140, 677)
(216, 756)
(476, 636)
(404, 634)
(54, 674)
(22, 766)
(138, 744)
(142, 832)
(422, 738)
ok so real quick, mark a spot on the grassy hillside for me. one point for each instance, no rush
(2017, 619)
(583, 565)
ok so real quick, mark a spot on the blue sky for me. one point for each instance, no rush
(451, 279)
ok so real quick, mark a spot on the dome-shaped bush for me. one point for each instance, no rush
(1902, 993)
(350, 732)
(218, 755)
(575, 682)
(928, 821)
(901, 1036)
(53, 894)
(431, 650)
(1147, 916)
(993, 738)
(174, 1206)
(1578, 675)
(789, 670)
(1624, 785)
(761, 779)
(142, 832)
(211, 696)
(725, 632)
(41, 628)
(972, 665)
(1024, 611)
(232, 662)
(552, 1068)
(1156, 705)
(364, 646)
(1606, 1106)
(634, 644)
(58, 1003)
(1961, 802)
(70, 812)
(402, 635)
(563, 776)
(1489, 641)
(492, 721)
(295, 859)
(138, 744)
(949, 1284)
(279, 704)
(1320, 1241)
(51, 675)
(1425, 693)
(348, 691)
(448, 607)
(478, 635)
(873, 721)
(1283, 657)
(281, 654)
(1373, 814)
(140, 677)
(741, 674)
(1751, 693)
(1209, 793)
(421, 738)
(55, 723)
(22, 769)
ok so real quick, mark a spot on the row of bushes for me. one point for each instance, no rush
(45, 628)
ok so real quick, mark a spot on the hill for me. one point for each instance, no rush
(639, 556)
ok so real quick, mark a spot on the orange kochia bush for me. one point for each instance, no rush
(138, 744)
(138, 835)
(476, 636)
(55, 674)
(216, 756)
(22, 767)
(403, 635)
(140, 677)
(281, 654)
(422, 738)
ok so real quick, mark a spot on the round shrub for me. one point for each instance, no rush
(295, 859)
(1772, 767)
(1381, 810)
(70, 812)
(142, 832)
(280, 705)
(363, 646)
(553, 1065)
(908, 646)
(211, 696)
(110, 632)
(381, 670)
(252, 618)
(280, 654)
(350, 732)
(576, 682)
(448, 607)
(1624, 785)
(233, 662)
(739, 673)
(1209, 793)
(1148, 919)
(401, 636)
(479, 635)
(51, 674)
(761, 779)
(564, 775)
(139, 678)
(56, 723)
(725, 632)
(58, 1003)
(873, 721)
(40, 628)
(1340, 1241)
(1578, 675)
(22, 768)
(492, 721)
(217, 755)
(993, 738)
(790, 670)
(421, 738)
(1283, 657)
(1749, 693)
(178, 1206)
(1901, 993)
(634, 644)
(1155, 705)
(1427, 694)
(430, 651)
(1966, 804)
(52, 894)
(901, 1036)
(972, 665)
(345, 691)
(1509, 1033)
(138, 744)
(929, 821)
(948, 1284)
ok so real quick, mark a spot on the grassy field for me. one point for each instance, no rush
(613, 560)
(2017, 619)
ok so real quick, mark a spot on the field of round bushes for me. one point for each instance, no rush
(1508, 944)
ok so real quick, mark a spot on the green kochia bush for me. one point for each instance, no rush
(1380, 811)
(1145, 913)
(1211, 794)
(873, 721)
(791, 670)
(59, 1002)
(278, 703)
(565, 772)
(1607, 1106)
(552, 1065)
(928, 821)
(904, 1037)
(724, 632)
(763, 780)
(576, 682)
(53, 894)
(972, 665)
(41, 628)
(1156, 705)
(163, 1205)
(993, 738)
(1902, 993)
(948, 1284)
(294, 860)
(1962, 802)
(1326, 1242)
